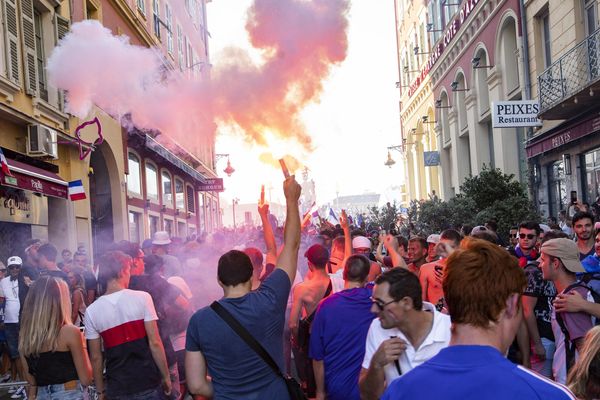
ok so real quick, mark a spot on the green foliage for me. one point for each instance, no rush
(489, 195)
(384, 217)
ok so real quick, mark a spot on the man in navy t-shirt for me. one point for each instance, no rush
(474, 366)
(339, 331)
(237, 372)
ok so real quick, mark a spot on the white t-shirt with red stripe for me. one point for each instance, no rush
(118, 318)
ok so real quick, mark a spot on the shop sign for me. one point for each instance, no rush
(564, 136)
(26, 182)
(515, 114)
(212, 185)
(452, 29)
(23, 207)
(431, 158)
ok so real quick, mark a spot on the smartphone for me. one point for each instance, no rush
(573, 196)
(284, 168)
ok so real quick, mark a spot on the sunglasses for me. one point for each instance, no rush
(381, 305)
(513, 235)
(528, 236)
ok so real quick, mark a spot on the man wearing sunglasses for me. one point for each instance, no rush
(407, 332)
(525, 251)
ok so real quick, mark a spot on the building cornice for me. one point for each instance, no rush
(134, 22)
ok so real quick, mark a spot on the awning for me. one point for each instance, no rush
(35, 179)
(563, 134)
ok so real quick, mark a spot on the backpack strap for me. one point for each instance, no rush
(311, 317)
(569, 345)
(246, 336)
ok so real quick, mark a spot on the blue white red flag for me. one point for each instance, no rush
(332, 214)
(4, 163)
(76, 191)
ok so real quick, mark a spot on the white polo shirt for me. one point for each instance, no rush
(437, 339)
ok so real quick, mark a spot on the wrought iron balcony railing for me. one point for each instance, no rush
(575, 71)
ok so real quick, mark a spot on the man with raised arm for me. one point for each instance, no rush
(213, 348)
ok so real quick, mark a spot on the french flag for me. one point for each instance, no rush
(5, 169)
(76, 191)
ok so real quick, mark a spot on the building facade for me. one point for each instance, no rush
(474, 59)
(416, 103)
(564, 154)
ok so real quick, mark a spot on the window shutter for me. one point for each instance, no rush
(190, 199)
(29, 46)
(11, 36)
(61, 27)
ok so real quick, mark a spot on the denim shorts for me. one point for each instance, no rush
(12, 340)
(71, 390)
(152, 394)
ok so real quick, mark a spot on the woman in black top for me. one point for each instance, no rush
(52, 349)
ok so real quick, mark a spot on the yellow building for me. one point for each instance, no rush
(36, 136)
(416, 102)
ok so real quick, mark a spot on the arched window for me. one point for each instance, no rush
(151, 182)
(134, 182)
(509, 58)
(179, 195)
(444, 104)
(167, 189)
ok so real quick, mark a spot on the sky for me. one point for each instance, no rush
(355, 120)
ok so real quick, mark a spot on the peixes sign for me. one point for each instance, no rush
(212, 185)
(515, 114)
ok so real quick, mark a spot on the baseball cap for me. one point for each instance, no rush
(360, 242)
(14, 260)
(478, 228)
(161, 238)
(433, 238)
(317, 254)
(566, 250)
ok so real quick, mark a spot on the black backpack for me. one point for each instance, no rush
(569, 344)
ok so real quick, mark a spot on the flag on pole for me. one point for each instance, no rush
(4, 163)
(76, 191)
(332, 214)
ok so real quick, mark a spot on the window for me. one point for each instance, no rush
(40, 59)
(190, 199)
(134, 227)
(151, 182)
(167, 189)
(592, 175)
(181, 231)
(156, 18)
(169, 18)
(169, 226)
(590, 9)
(190, 54)
(546, 50)
(133, 179)
(201, 212)
(180, 47)
(179, 196)
(557, 187)
(141, 5)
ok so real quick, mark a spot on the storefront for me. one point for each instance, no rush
(33, 204)
(564, 159)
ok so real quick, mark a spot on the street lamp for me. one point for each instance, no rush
(390, 161)
(229, 169)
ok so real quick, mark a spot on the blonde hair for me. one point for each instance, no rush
(47, 309)
(584, 376)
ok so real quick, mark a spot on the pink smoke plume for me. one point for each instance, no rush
(301, 41)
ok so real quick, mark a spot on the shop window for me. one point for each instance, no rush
(557, 188)
(190, 199)
(181, 230)
(167, 189)
(151, 182)
(134, 227)
(169, 226)
(134, 184)
(592, 175)
(179, 195)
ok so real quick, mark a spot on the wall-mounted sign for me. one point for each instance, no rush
(23, 207)
(515, 114)
(431, 158)
(212, 185)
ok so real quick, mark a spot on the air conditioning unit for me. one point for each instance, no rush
(42, 141)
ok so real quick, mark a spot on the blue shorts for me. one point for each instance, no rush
(71, 390)
(12, 340)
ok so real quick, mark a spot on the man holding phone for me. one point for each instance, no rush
(432, 273)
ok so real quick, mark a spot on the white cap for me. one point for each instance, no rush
(161, 238)
(545, 228)
(433, 238)
(361, 242)
(14, 260)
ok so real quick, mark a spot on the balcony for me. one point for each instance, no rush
(570, 84)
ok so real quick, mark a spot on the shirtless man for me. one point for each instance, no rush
(432, 273)
(305, 299)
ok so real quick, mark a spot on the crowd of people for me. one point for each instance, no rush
(277, 313)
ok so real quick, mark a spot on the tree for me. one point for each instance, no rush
(385, 217)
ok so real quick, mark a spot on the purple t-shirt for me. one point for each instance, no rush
(338, 336)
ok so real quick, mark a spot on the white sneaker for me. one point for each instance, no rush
(19, 393)
(12, 389)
